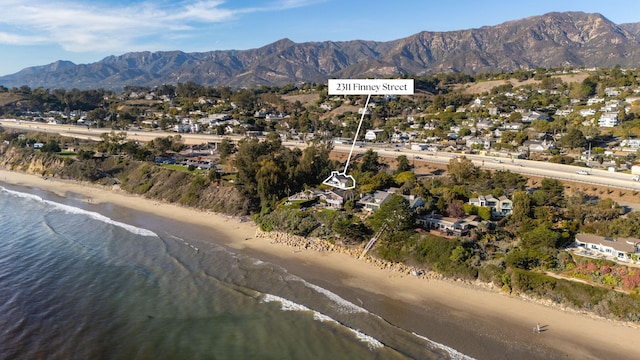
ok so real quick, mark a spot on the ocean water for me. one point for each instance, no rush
(75, 284)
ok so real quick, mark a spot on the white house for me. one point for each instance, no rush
(538, 146)
(611, 92)
(594, 100)
(630, 143)
(530, 116)
(372, 135)
(609, 119)
(620, 249)
(587, 112)
(443, 224)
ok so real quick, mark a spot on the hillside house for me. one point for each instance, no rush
(587, 112)
(612, 92)
(538, 146)
(529, 116)
(609, 119)
(500, 207)
(630, 143)
(373, 135)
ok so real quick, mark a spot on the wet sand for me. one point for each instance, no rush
(481, 323)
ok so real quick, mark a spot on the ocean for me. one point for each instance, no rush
(75, 283)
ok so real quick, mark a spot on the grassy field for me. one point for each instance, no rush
(8, 98)
(184, 169)
(485, 86)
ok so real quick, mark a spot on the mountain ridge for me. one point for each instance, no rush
(557, 39)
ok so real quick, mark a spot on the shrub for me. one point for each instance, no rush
(491, 273)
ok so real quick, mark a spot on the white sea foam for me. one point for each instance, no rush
(345, 306)
(323, 318)
(371, 342)
(454, 354)
(75, 210)
(288, 305)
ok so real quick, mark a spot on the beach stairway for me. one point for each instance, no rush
(373, 240)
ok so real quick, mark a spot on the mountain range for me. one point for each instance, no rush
(553, 40)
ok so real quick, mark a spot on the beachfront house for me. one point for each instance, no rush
(372, 202)
(617, 249)
(333, 198)
(445, 225)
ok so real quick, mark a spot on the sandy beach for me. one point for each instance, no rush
(481, 323)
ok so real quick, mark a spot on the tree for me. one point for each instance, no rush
(51, 146)
(160, 145)
(314, 165)
(269, 178)
(97, 115)
(408, 177)
(464, 132)
(484, 212)
(85, 154)
(266, 170)
(515, 116)
(554, 192)
(403, 164)
(368, 184)
(589, 85)
(521, 207)
(395, 213)
(225, 148)
(574, 139)
(369, 162)
(455, 209)
(461, 170)
(540, 236)
(351, 229)
(112, 142)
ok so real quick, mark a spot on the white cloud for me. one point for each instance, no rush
(16, 39)
(79, 26)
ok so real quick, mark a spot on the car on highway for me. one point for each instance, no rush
(636, 178)
(582, 172)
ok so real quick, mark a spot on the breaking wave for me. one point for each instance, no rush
(74, 210)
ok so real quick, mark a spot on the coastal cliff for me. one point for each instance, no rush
(136, 177)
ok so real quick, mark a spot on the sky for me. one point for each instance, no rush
(39, 32)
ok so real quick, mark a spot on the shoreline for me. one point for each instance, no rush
(479, 322)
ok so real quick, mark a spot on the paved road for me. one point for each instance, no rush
(525, 167)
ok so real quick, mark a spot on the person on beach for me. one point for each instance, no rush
(536, 329)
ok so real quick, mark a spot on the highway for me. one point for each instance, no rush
(598, 177)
